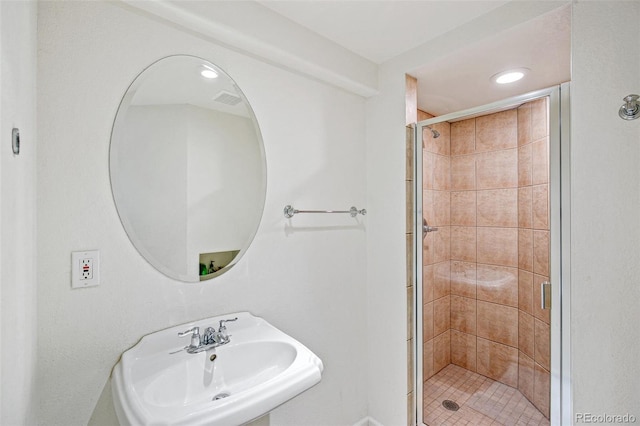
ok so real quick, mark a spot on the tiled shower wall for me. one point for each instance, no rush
(485, 185)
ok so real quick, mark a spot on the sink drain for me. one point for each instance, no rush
(221, 395)
(450, 405)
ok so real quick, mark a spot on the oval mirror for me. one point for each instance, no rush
(187, 168)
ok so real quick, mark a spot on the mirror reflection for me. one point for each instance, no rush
(187, 167)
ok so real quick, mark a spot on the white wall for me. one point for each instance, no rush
(18, 262)
(305, 276)
(605, 236)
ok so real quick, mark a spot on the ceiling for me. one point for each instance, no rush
(383, 29)
(347, 42)
(462, 79)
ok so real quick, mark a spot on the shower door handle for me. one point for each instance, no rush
(545, 295)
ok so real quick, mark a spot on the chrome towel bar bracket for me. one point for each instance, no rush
(630, 110)
(289, 211)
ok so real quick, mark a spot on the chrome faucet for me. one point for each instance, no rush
(210, 339)
(195, 337)
(221, 336)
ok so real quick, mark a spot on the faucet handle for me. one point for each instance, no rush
(222, 327)
(195, 336)
(192, 331)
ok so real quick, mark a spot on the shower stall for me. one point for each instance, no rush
(488, 247)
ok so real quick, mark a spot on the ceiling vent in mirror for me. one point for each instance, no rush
(227, 98)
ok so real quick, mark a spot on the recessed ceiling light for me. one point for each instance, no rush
(207, 72)
(510, 76)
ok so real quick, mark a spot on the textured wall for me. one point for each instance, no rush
(305, 276)
(605, 200)
(17, 213)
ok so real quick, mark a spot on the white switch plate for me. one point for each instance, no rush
(85, 269)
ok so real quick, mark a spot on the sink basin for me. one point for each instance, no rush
(158, 383)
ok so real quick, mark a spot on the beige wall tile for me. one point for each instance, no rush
(442, 277)
(525, 207)
(463, 243)
(497, 246)
(497, 131)
(524, 124)
(463, 279)
(526, 333)
(410, 313)
(441, 351)
(428, 283)
(525, 291)
(410, 371)
(441, 173)
(422, 115)
(409, 154)
(498, 207)
(442, 244)
(409, 206)
(441, 315)
(540, 162)
(525, 165)
(428, 141)
(463, 137)
(525, 376)
(463, 173)
(497, 169)
(497, 323)
(441, 208)
(409, 259)
(538, 312)
(463, 208)
(541, 252)
(411, 409)
(542, 345)
(497, 361)
(497, 284)
(428, 206)
(428, 164)
(541, 206)
(410, 99)
(525, 249)
(427, 360)
(443, 142)
(463, 350)
(463, 314)
(541, 389)
(428, 248)
(539, 119)
(427, 322)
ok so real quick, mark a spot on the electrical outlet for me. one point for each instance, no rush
(85, 269)
(86, 266)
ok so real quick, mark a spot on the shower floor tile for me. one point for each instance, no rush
(482, 401)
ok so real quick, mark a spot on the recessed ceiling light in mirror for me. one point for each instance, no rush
(207, 72)
(509, 76)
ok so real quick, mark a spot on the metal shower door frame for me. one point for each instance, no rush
(559, 209)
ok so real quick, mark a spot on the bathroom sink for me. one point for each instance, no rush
(158, 382)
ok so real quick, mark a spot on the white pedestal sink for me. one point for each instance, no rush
(157, 383)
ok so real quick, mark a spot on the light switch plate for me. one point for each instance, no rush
(85, 269)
